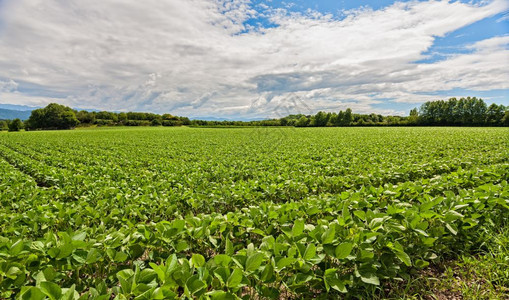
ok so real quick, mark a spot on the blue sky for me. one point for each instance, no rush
(244, 59)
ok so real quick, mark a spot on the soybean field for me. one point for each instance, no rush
(252, 213)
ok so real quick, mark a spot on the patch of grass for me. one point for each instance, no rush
(484, 275)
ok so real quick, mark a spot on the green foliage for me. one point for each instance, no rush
(320, 119)
(15, 125)
(302, 122)
(105, 118)
(4, 125)
(53, 116)
(156, 122)
(253, 212)
(505, 119)
(347, 118)
(483, 274)
(343, 118)
(464, 112)
(414, 117)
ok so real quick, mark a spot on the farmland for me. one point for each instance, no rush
(161, 213)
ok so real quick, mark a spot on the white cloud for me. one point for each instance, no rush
(8, 86)
(492, 44)
(195, 57)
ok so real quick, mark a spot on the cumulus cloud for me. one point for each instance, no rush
(8, 86)
(198, 57)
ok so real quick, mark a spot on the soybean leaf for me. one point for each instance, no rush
(404, 258)
(235, 278)
(254, 261)
(343, 250)
(197, 260)
(298, 228)
(310, 252)
(50, 289)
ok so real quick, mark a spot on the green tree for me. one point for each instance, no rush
(156, 122)
(374, 118)
(450, 110)
(302, 122)
(333, 120)
(494, 114)
(340, 118)
(122, 117)
(53, 116)
(185, 121)
(465, 111)
(348, 118)
(479, 110)
(15, 125)
(169, 117)
(414, 117)
(85, 117)
(320, 119)
(4, 125)
(505, 119)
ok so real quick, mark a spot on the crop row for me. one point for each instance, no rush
(255, 213)
(350, 241)
(147, 203)
(198, 181)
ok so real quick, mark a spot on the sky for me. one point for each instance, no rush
(249, 59)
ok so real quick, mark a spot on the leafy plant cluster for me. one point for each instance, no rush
(53, 116)
(162, 213)
(11, 125)
(464, 111)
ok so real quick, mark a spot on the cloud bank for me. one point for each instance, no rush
(201, 58)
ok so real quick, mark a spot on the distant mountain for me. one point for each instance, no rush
(14, 111)
(11, 114)
(18, 107)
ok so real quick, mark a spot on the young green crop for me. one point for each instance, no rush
(158, 213)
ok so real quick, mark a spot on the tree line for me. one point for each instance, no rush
(469, 111)
(8, 125)
(56, 116)
(463, 112)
